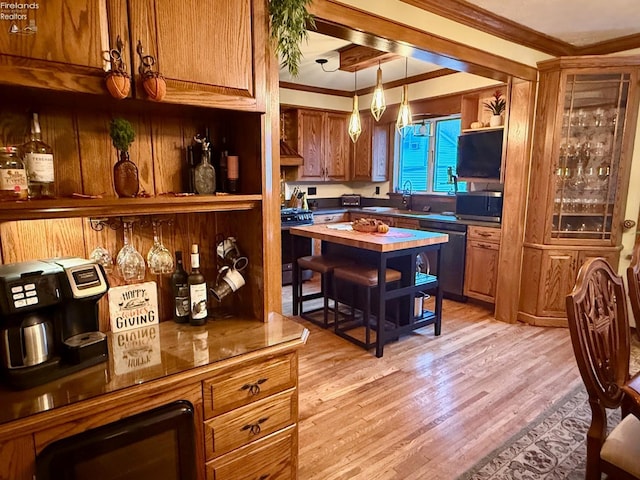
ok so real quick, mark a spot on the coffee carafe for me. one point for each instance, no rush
(49, 319)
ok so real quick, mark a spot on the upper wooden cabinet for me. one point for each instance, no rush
(73, 38)
(582, 147)
(324, 144)
(371, 157)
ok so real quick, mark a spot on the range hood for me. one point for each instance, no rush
(289, 157)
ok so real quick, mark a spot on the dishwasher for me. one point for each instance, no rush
(452, 257)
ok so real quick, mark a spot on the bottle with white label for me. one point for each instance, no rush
(13, 176)
(197, 290)
(38, 159)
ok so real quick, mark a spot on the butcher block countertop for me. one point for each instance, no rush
(149, 360)
(394, 239)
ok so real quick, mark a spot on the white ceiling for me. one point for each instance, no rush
(579, 22)
(322, 46)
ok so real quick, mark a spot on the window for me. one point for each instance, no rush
(426, 153)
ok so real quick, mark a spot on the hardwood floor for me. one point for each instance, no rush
(432, 406)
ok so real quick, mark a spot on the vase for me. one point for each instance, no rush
(125, 177)
(495, 120)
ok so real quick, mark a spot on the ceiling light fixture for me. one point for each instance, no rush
(355, 126)
(404, 112)
(378, 104)
(322, 62)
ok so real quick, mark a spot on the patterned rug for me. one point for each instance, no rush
(552, 447)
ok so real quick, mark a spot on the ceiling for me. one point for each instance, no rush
(558, 27)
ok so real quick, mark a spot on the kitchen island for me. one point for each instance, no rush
(397, 249)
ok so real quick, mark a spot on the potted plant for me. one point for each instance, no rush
(289, 20)
(496, 106)
(125, 172)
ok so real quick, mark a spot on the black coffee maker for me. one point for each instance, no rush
(49, 319)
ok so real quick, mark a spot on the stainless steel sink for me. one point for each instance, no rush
(381, 209)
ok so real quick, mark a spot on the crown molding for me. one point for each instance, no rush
(485, 21)
(364, 91)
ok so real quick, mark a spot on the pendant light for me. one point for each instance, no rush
(378, 104)
(355, 126)
(404, 113)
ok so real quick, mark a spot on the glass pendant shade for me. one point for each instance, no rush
(404, 113)
(378, 104)
(355, 126)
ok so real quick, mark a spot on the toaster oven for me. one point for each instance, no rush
(350, 200)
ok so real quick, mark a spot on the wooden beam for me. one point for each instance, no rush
(358, 57)
(610, 46)
(364, 28)
(312, 89)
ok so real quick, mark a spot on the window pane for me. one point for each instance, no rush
(413, 160)
(446, 152)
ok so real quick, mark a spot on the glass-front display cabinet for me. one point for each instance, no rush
(585, 123)
(588, 160)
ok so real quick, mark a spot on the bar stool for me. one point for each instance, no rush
(324, 265)
(364, 277)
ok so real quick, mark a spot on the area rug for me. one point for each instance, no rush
(552, 447)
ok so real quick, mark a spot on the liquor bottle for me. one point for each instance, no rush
(13, 176)
(205, 173)
(197, 290)
(222, 177)
(233, 173)
(38, 158)
(180, 287)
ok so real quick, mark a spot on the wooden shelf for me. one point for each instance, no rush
(483, 129)
(111, 207)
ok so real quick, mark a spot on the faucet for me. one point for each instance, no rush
(406, 194)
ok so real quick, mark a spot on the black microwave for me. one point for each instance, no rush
(484, 206)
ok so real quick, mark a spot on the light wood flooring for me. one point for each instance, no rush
(432, 406)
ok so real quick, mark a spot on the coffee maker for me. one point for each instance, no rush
(49, 319)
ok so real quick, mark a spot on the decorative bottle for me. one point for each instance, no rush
(13, 176)
(205, 173)
(125, 176)
(38, 159)
(222, 173)
(197, 290)
(180, 288)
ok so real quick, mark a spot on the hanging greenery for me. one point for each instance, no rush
(289, 20)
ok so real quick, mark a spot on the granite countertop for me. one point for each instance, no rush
(396, 212)
(154, 353)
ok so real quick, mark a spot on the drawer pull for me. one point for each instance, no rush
(254, 428)
(485, 246)
(264, 476)
(254, 388)
(484, 234)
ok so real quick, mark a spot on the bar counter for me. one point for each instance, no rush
(166, 354)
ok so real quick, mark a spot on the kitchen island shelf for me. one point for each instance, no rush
(110, 207)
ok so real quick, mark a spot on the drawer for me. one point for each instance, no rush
(330, 218)
(269, 458)
(247, 424)
(247, 384)
(486, 234)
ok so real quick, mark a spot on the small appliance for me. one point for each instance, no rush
(483, 206)
(350, 200)
(49, 319)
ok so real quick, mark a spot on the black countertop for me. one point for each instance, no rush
(395, 212)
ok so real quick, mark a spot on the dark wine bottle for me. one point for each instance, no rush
(197, 290)
(180, 286)
(224, 153)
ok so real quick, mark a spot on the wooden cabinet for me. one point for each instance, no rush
(587, 112)
(67, 50)
(481, 264)
(324, 144)
(371, 152)
(251, 414)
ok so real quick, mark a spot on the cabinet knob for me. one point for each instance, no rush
(628, 224)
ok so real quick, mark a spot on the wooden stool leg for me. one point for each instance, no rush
(335, 306)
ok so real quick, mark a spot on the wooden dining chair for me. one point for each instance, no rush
(633, 281)
(599, 328)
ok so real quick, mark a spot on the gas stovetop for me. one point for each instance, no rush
(292, 217)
